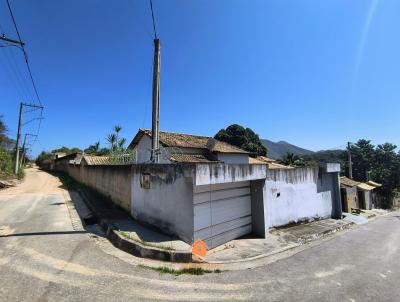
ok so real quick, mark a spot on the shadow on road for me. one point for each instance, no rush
(44, 233)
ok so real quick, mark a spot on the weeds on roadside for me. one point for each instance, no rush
(189, 271)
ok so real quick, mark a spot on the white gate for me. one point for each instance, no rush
(222, 212)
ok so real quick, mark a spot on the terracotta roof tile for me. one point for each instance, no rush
(179, 140)
(191, 158)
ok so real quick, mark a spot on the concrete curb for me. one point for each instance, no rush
(293, 245)
(130, 246)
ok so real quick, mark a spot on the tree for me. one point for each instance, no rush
(362, 155)
(93, 149)
(241, 137)
(386, 170)
(291, 159)
(66, 150)
(42, 157)
(112, 138)
(3, 131)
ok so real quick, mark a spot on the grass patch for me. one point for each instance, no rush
(188, 271)
(145, 243)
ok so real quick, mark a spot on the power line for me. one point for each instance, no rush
(25, 54)
(152, 16)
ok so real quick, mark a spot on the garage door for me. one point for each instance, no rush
(222, 212)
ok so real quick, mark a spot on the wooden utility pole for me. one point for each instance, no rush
(350, 162)
(18, 138)
(155, 125)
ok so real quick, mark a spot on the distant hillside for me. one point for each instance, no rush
(279, 149)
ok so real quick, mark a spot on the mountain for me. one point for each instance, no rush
(279, 149)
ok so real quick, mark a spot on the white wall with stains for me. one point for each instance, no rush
(292, 196)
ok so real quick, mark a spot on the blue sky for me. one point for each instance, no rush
(313, 73)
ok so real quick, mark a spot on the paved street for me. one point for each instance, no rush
(44, 258)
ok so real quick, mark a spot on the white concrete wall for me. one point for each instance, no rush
(229, 158)
(292, 196)
(168, 203)
(224, 173)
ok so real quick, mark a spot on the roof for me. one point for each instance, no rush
(96, 160)
(68, 156)
(191, 158)
(365, 187)
(374, 184)
(271, 163)
(348, 182)
(179, 140)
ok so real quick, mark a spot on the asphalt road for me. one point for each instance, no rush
(43, 258)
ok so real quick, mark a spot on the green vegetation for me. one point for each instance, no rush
(241, 137)
(294, 160)
(189, 271)
(379, 163)
(7, 155)
(6, 164)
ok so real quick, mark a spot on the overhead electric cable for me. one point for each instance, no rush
(25, 54)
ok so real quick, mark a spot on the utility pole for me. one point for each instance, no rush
(23, 148)
(155, 125)
(21, 107)
(350, 162)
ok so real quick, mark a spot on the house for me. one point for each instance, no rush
(349, 193)
(209, 190)
(271, 163)
(364, 192)
(357, 195)
(187, 148)
(375, 198)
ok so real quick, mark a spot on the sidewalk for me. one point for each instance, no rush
(278, 240)
(127, 234)
(130, 236)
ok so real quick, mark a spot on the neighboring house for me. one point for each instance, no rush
(271, 163)
(357, 195)
(365, 195)
(177, 147)
(375, 198)
(349, 193)
(58, 155)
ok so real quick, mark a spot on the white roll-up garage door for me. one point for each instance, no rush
(222, 212)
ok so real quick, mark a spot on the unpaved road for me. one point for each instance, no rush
(44, 258)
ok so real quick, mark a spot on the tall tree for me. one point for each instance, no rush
(362, 155)
(241, 137)
(386, 170)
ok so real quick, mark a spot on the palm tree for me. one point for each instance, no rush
(97, 146)
(112, 139)
(121, 143)
(290, 159)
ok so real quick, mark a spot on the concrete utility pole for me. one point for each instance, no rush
(350, 162)
(18, 138)
(21, 107)
(155, 125)
(23, 152)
